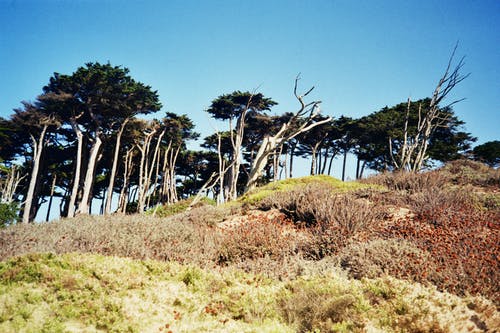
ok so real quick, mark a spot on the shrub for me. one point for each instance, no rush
(314, 306)
(177, 207)
(463, 172)
(317, 204)
(463, 246)
(398, 258)
(258, 236)
(136, 236)
(331, 219)
(8, 214)
(435, 202)
(408, 182)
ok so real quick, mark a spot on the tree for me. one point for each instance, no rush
(445, 143)
(488, 152)
(34, 120)
(302, 121)
(413, 151)
(140, 100)
(235, 107)
(97, 101)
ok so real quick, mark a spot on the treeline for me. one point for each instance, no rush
(83, 140)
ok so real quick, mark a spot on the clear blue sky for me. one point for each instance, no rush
(360, 55)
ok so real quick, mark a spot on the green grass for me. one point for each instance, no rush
(93, 293)
(294, 183)
(177, 207)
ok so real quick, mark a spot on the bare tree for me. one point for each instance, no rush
(10, 183)
(305, 116)
(112, 176)
(413, 152)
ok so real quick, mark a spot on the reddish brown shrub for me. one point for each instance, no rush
(464, 246)
(316, 205)
(259, 235)
(398, 258)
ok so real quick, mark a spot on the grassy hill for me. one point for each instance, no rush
(394, 253)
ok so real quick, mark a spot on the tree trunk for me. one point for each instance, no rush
(37, 154)
(143, 170)
(89, 176)
(358, 162)
(109, 196)
(343, 164)
(312, 172)
(362, 169)
(52, 189)
(123, 199)
(76, 178)
(292, 154)
(330, 164)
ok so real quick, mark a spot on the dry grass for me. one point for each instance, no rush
(449, 238)
(136, 237)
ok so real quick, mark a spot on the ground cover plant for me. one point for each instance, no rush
(437, 232)
(95, 293)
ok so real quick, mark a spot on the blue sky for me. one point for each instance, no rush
(360, 55)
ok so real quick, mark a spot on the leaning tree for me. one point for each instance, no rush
(234, 108)
(303, 120)
(414, 148)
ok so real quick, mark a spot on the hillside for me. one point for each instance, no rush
(393, 253)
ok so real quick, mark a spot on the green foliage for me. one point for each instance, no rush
(255, 196)
(8, 213)
(177, 207)
(488, 152)
(77, 292)
(231, 106)
(446, 143)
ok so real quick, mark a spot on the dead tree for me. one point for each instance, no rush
(305, 117)
(10, 183)
(413, 152)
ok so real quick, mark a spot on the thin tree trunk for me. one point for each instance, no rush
(362, 169)
(122, 201)
(343, 164)
(109, 197)
(37, 154)
(76, 179)
(330, 164)
(358, 162)
(143, 170)
(220, 198)
(52, 189)
(85, 203)
(292, 154)
(150, 174)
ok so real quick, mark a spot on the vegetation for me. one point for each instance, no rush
(400, 252)
(75, 292)
(218, 241)
(85, 136)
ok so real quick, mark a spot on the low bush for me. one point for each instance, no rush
(8, 213)
(126, 236)
(463, 245)
(434, 202)
(177, 207)
(317, 205)
(379, 257)
(316, 306)
(409, 182)
(464, 172)
(259, 236)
